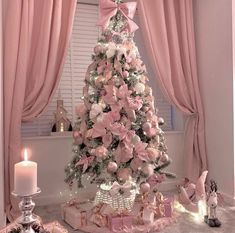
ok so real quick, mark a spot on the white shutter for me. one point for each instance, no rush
(84, 37)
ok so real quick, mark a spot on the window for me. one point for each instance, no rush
(84, 37)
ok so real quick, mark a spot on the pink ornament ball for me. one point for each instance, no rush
(153, 153)
(99, 49)
(144, 187)
(136, 164)
(112, 167)
(101, 152)
(148, 170)
(125, 74)
(164, 158)
(146, 126)
(124, 174)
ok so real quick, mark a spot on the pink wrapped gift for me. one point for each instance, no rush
(168, 206)
(74, 216)
(121, 222)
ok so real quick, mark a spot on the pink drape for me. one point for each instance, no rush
(168, 31)
(36, 38)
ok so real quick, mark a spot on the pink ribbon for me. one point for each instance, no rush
(126, 188)
(85, 161)
(108, 9)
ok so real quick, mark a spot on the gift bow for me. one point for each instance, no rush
(108, 9)
(85, 161)
(116, 187)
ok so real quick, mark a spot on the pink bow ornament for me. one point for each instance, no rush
(155, 179)
(85, 161)
(135, 103)
(98, 130)
(123, 92)
(123, 153)
(124, 189)
(108, 9)
(96, 109)
(140, 149)
(107, 139)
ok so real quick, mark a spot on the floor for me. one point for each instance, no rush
(185, 222)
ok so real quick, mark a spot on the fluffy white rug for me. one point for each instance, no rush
(185, 222)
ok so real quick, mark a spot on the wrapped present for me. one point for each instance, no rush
(74, 215)
(120, 222)
(168, 206)
(99, 215)
(148, 215)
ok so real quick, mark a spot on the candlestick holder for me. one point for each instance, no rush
(26, 207)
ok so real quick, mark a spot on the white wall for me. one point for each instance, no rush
(213, 25)
(53, 153)
(2, 215)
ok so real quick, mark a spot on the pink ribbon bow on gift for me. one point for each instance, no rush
(125, 188)
(108, 9)
(85, 161)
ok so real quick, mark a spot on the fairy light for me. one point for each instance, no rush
(197, 217)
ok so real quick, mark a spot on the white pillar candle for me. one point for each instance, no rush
(25, 178)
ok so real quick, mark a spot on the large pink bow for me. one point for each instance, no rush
(85, 161)
(108, 9)
(125, 188)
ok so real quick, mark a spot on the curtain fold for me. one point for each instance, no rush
(36, 38)
(168, 31)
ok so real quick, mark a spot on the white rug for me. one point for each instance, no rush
(185, 222)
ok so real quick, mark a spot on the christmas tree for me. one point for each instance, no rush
(118, 135)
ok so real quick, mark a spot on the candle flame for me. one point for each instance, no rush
(26, 156)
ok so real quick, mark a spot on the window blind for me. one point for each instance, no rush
(84, 37)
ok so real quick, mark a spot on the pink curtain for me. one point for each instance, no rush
(168, 31)
(36, 38)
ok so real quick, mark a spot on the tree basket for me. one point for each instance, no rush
(119, 202)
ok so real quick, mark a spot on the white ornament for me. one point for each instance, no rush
(139, 88)
(111, 50)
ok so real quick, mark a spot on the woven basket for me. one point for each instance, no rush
(119, 202)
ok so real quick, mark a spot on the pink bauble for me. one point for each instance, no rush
(76, 134)
(139, 88)
(112, 167)
(148, 170)
(144, 187)
(135, 139)
(146, 126)
(81, 110)
(149, 115)
(124, 174)
(77, 138)
(125, 74)
(164, 158)
(101, 152)
(150, 133)
(136, 164)
(99, 49)
(153, 153)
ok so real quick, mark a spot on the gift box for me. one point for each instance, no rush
(120, 222)
(74, 216)
(99, 215)
(168, 204)
(148, 215)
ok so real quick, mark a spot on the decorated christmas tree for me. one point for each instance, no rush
(118, 135)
